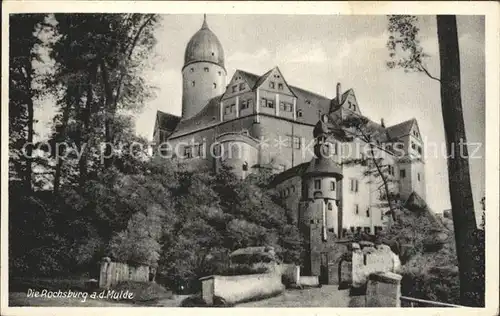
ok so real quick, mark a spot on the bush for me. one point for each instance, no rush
(244, 269)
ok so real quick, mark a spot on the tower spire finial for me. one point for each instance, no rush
(204, 25)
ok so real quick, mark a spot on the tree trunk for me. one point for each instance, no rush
(109, 115)
(462, 204)
(86, 126)
(61, 137)
(30, 122)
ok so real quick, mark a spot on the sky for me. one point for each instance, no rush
(315, 52)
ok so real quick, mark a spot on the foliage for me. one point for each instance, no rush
(428, 272)
(126, 205)
(139, 243)
(405, 50)
(25, 51)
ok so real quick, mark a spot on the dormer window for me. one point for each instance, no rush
(317, 184)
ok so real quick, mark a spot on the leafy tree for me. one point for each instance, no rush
(24, 51)
(407, 53)
(139, 243)
(99, 59)
(359, 128)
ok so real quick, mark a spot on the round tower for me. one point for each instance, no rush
(321, 183)
(203, 73)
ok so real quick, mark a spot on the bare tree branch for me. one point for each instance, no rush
(427, 72)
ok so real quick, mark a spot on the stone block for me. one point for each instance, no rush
(383, 290)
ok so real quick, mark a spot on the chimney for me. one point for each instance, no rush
(338, 93)
(382, 123)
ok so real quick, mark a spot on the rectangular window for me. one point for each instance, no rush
(413, 146)
(296, 142)
(418, 176)
(267, 103)
(282, 168)
(227, 109)
(242, 86)
(280, 86)
(282, 106)
(250, 103)
(233, 108)
(234, 89)
(354, 185)
(288, 107)
(390, 170)
(368, 230)
(188, 152)
(367, 212)
(244, 104)
(332, 186)
(356, 209)
(333, 148)
(419, 150)
(354, 107)
(317, 184)
(271, 84)
(206, 69)
(402, 173)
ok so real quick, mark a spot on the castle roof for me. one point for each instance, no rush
(166, 121)
(208, 116)
(323, 166)
(204, 46)
(401, 129)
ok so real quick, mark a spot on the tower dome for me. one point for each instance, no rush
(204, 46)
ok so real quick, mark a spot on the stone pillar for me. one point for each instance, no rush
(383, 290)
(103, 275)
(207, 289)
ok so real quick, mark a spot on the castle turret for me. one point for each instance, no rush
(203, 73)
(321, 182)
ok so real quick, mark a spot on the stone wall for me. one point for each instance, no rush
(240, 288)
(114, 272)
(371, 260)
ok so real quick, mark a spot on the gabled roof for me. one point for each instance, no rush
(262, 79)
(401, 129)
(208, 116)
(250, 78)
(166, 121)
(343, 98)
(296, 171)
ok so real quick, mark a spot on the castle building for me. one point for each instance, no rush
(261, 121)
